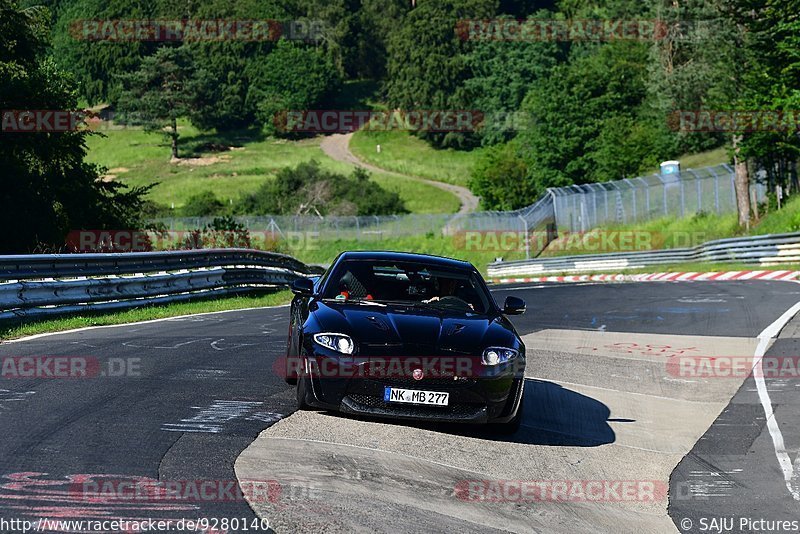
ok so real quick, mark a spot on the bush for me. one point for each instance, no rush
(500, 179)
(203, 205)
(369, 197)
(310, 190)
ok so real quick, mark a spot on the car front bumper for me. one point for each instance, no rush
(490, 397)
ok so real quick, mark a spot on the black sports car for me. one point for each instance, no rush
(405, 336)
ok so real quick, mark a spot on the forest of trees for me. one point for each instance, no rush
(599, 110)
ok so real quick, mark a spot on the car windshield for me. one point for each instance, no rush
(409, 284)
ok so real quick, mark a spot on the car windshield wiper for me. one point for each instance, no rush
(355, 301)
(410, 303)
(368, 301)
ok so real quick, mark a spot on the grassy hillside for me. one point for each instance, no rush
(404, 153)
(138, 158)
(407, 154)
(699, 160)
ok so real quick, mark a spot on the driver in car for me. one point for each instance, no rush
(447, 289)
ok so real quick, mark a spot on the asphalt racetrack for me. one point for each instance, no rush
(617, 435)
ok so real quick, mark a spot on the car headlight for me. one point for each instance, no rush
(338, 342)
(498, 355)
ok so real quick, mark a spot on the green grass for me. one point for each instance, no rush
(709, 158)
(448, 246)
(656, 234)
(138, 158)
(402, 152)
(691, 231)
(28, 328)
(786, 219)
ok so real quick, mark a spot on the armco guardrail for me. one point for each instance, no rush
(764, 250)
(50, 284)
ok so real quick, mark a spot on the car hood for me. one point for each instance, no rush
(413, 330)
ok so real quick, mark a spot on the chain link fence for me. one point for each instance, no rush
(576, 208)
(579, 208)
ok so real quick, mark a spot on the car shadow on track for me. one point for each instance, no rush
(553, 416)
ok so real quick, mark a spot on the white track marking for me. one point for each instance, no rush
(174, 318)
(131, 344)
(764, 338)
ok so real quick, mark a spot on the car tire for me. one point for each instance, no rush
(290, 378)
(302, 404)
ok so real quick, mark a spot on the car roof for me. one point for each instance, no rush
(382, 255)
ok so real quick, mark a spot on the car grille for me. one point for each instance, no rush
(444, 381)
(370, 403)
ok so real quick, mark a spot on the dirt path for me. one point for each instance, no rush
(337, 146)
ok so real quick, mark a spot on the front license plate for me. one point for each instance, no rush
(413, 396)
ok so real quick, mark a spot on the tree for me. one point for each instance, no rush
(770, 62)
(739, 55)
(701, 66)
(47, 188)
(578, 112)
(292, 77)
(376, 19)
(426, 65)
(165, 88)
(229, 63)
(500, 75)
(97, 64)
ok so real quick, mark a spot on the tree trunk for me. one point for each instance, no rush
(742, 183)
(174, 137)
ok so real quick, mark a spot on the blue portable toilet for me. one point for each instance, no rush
(670, 167)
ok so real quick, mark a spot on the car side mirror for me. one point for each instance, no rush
(514, 306)
(303, 286)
